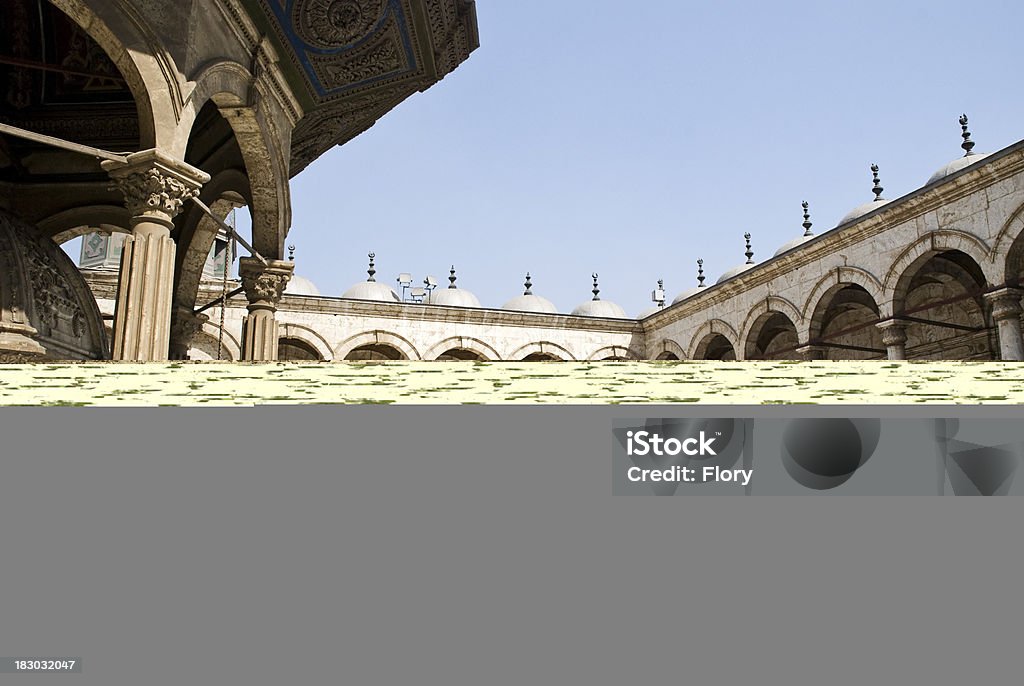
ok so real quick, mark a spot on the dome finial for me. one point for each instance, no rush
(807, 219)
(596, 289)
(750, 252)
(372, 270)
(291, 253)
(877, 188)
(968, 144)
(451, 278)
(528, 284)
(700, 273)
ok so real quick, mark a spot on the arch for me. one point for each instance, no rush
(918, 252)
(309, 337)
(290, 348)
(542, 348)
(939, 298)
(831, 283)
(1007, 252)
(667, 349)
(266, 166)
(705, 334)
(473, 345)
(771, 335)
(772, 303)
(227, 190)
(614, 352)
(79, 221)
(148, 70)
(371, 338)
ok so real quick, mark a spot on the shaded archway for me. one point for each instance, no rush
(715, 346)
(842, 324)
(295, 349)
(613, 353)
(667, 350)
(462, 348)
(541, 351)
(374, 352)
(772, 336)
(376, 342)
(940, 300)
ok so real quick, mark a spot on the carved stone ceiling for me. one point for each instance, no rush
(357, 59)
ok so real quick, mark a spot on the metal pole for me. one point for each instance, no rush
(63, 144)
(231, 231)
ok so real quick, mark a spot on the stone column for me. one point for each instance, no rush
(155, 188)
(263, 284)
(1006, 311)
(185, 324)
(894, 336)
(809, 353)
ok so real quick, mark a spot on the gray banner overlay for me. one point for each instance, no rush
(477, 545)
(817, 455)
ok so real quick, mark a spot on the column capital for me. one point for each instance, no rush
(264, 284)
(894, 332)
(1006, 303)
(155, 185)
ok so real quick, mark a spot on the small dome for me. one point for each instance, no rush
(371, 290)
(530, 303)
(649, 311)
(861, 210)
(300, 285)
(735, 271)
(955, 166)
(600, 308)
(796, 242)
(686, 295)
(453, 297)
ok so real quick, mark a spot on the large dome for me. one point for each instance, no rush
(956, 165)
(372, 290)
(528, 302)
(453, 297)
(686, 295)
(795, 243)
(300, 285)
(969, 158)
(735, 271)
(868, 207)
(600, 308)
(48, 312)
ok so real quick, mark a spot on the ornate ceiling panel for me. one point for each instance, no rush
(360, 58)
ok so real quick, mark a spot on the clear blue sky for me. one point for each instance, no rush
(631, 138)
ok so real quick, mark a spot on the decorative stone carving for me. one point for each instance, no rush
(264, 284)
(1006, 311)
(335, 23)
(46, 309)
(1006, 303)
(155, 186)
(382, 56)
(185, 324)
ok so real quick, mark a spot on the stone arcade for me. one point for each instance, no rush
(216, 104)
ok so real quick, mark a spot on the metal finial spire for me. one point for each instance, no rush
(750, 252)
(596, 289)
(807, 219)
(528, 284)
(877, 188)
(700, 273)
(451, 278)
(291, 253)
(372, 270)
(968, 144)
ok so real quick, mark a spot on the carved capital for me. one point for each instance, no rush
(264, 283)
(893, 332)
(155, 186)
(809, 353)
(1006, 303)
